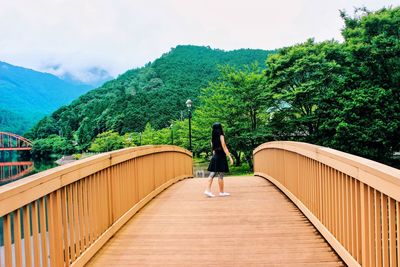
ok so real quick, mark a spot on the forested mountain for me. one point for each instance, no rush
(27, 96)
(155, 93)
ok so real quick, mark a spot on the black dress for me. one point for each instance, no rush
(218, 161)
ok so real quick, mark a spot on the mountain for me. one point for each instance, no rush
(26, 96)
(93, 76)
(155, 93)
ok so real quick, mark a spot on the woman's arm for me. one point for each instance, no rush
(225, 148)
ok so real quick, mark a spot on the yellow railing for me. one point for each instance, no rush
(352, 201)
(63, 216)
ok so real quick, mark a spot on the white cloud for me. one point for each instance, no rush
(121, 34)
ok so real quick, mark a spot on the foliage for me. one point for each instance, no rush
(238, 101)
(343, 95)
(305, 80)
(107, 141)
(54, 144)
(155, 93)
(12, 122)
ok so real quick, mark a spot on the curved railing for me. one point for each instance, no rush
(63, 216)
(352, 201)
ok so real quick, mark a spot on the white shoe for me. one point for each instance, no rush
(224, 194)
(209, 194)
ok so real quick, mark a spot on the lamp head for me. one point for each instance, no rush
(189, 103)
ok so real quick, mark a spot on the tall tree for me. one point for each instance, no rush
(305, 80)
(239, 101)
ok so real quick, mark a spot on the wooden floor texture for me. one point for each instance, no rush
(255, 226)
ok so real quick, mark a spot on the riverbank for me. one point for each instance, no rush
(71, 158)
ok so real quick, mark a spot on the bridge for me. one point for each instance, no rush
(10, 141)
(305, 206)
(10, 171)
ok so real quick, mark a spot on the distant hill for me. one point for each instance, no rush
(26, 96)
(155, 93)
(93, 76)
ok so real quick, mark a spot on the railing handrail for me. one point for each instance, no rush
(24, 191)
(70, 212)
(352, 201)
(377, 175)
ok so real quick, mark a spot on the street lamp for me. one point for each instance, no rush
(189, 106)
(172, 133)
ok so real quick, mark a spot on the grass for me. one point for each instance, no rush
(244, 169)
(240, 170)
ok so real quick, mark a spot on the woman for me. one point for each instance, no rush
(218, 164)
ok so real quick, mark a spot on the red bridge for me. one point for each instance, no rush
(10, 141)
(10, 171)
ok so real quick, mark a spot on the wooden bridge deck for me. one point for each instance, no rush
(257, 225)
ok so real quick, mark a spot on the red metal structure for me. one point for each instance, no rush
(13, 170)
(10, 141)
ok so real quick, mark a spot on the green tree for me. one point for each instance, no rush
(304, 78)
(369, 121)
(107, 141)
(239, 101)
(54, 144)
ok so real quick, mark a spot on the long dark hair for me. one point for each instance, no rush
(216, 133)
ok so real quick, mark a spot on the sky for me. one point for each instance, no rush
(75, 36)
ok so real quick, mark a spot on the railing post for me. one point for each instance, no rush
(364, 225)
(55, 229)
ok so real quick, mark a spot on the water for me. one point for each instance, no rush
(15, 165)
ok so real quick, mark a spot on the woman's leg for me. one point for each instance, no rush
(222, 192)
(210, 180)
(221, 182)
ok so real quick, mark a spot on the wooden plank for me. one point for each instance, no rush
(81, 216)
(371, 232)
(379, 176)
(99, 243)
(67, 247)
(385, 230)
(358, 221)
(71, 223)
(59, 227)
(392, 233)
(95, 206)
(35, 233)
(378, 229)
(353, 249)
(162, 233)
(364, 225)
(17, 238)
(398, 230)
(43, 230)
(75, 206)
(27, 236)
(346, 223)
(51, 228)
(90, 209)
(110, 196)
(86, 212)
(8, 256)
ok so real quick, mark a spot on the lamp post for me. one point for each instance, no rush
(172, 133)
(189, 106)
